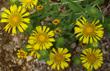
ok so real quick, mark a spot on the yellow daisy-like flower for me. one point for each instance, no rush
(29, 4)
(41, 38)
(39, 7)
(58, 30)
(56, 21)
(17, 19)
(92, 58)
(21, 54)
(88, 32)
(59, 58)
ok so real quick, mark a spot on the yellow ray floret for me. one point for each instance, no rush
(34, 54)
(92, 58)
(16, 19)
(29, 4)
(88, 32)
(41, 38)
(59, 58)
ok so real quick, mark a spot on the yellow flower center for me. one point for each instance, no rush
(56, 21)
(40, 7)
(91, 58)
(88, 30)
(58, 58)
(22, 54)
(14, 20)
(42, 37)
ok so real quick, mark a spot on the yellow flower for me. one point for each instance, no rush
(92, 58)
(59, 58)
(88, 32)
(58, 31)
(16, 19)
(35, 54)
(41, 38)
(56, 21)
(29, 4)
(39, 7)
(21, 54)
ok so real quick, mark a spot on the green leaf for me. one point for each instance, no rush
(14, 2)
(60, 42)
(106, 25)
(93, 12)
(76, 60)
(29, 29)
(44, 55)
(75, 7)
(98, 2)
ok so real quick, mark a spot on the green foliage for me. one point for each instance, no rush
(76, 60)
(67, 11)
(44, 55)
(14, 2)
(60, 42)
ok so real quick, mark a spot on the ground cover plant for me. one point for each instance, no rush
(54, 35)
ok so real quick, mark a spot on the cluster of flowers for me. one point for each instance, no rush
(42, 38)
